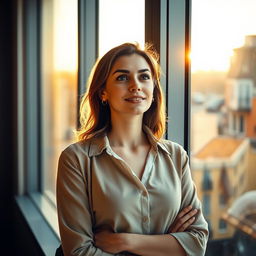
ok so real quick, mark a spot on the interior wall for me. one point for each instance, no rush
(7, 125)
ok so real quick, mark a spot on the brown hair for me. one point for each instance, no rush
(95, 117)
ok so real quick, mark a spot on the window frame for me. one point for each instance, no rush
(175, 44)
(28, 198)
(172, 19)
(37, 210)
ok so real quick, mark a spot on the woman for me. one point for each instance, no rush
(121, 188)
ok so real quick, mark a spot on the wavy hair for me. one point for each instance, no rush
(95, 117)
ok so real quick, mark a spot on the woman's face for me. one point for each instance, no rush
(129, 87)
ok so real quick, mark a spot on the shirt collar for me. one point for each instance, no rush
(101, 143)
(156, 143)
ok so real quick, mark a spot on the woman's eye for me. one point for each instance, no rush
(145, 76)
(122, 78)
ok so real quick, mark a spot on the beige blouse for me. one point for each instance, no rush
(96, 189)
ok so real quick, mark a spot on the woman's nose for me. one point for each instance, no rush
(134, 86)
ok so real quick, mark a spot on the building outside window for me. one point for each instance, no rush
(221, 68)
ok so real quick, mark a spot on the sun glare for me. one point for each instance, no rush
(217, 28)
(65, 35)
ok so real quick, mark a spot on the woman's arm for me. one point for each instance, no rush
(148, 244)
(74, 215)
(194, 239)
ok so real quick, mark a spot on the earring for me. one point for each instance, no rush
(104, 102)
(153, 99)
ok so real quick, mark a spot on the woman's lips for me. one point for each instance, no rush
(135, 99)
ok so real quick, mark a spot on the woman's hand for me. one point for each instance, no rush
(110, 242)
(184, 219)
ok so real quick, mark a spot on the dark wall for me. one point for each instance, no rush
(16, 235)
(7, 123)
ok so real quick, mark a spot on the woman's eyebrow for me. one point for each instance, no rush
(144, 70)
(121, 71)
(127, 71)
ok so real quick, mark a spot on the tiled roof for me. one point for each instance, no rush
(220, 147)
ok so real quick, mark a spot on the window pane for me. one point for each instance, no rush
(120, 21)
(223, 111)
(59, 84)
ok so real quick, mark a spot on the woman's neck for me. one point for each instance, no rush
(127, 132)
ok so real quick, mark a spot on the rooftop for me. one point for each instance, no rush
(219, 147)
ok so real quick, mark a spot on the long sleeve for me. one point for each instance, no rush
(75, 220)
(193, 240)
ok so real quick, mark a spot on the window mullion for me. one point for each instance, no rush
(87, 40)
(32, 99)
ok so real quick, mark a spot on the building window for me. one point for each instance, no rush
(222, 201)
(241, 124)
(222, 226)
(234, 122)
(206, 204)
(207, 181)
(59, 52)
(225, 187)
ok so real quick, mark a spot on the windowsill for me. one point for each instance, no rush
(47, 209)
(43, 230)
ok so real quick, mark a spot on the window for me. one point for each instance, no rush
(234, 123)
(51, 77)
(241, 124)
(222, 200)
(222, 226)
(58, 84)
(221, 67)
(124, 21)
(207, 181)
(206, 204)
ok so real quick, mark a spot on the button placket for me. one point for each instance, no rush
(145, 211)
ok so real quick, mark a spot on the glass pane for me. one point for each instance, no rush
(120, 21)
(223, 121)
(59, 84)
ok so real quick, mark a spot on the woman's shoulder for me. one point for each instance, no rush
(172, 147)
(178, 154)
(79, 148)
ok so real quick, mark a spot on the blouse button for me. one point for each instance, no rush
(145, 219)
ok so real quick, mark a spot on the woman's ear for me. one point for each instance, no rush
(103, 95)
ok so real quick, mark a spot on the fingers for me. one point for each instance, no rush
(184, 211)
(184, 219)
(185, 225)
